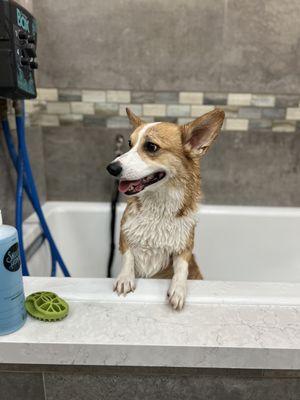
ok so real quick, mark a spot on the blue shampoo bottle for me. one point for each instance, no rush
(12, 299)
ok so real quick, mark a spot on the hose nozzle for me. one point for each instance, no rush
(18, 106)
(119, 140)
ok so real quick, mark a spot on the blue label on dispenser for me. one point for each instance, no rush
(11, 260)
(12, 299)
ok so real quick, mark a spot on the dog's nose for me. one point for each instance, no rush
(114, 168)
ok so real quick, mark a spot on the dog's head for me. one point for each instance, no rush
(160, 151)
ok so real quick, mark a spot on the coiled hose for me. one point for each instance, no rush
(21, 163)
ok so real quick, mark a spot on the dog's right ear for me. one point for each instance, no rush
(134, 119)
(199, 134)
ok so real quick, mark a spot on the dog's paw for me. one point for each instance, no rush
(177, 295)
(124, 284)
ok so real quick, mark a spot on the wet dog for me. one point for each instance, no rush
(160, 175)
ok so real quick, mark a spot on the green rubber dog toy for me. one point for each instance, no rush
(46, 306)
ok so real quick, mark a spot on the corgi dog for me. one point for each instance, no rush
(160, 175)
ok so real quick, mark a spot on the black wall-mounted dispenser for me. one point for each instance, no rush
(18, 39)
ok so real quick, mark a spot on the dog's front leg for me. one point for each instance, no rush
(125, 281)
(177, 290)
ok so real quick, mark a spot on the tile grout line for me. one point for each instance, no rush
(44, 385)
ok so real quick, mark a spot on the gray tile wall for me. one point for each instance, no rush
(8, 175)
(261, 46)
(81, 155)
(26, 4)
(109, 383)
(249, 168)
(253, 168)
(207, 45)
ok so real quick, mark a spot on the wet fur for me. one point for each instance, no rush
(158, 224)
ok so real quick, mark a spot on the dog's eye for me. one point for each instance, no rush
(151, 147)
(129, 143)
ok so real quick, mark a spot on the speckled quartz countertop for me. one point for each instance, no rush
(228, 325)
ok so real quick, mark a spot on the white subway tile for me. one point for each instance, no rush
(284, 126)
(47, 94)
(239, 99)
(191, 97)
(293, 113)
(118, 96)
(94, 96)
(82, 108)
(56, 107)
(236, 124)
(155, 110)
(197, 111)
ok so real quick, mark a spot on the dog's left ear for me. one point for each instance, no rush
(199, 134)
(134, 119)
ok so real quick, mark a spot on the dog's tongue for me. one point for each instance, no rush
(124, 185)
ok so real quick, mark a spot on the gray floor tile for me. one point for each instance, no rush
(175, 387)
(21, 386)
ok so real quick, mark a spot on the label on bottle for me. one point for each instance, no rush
(11, 260)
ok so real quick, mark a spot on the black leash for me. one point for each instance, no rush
(114, 202)
(113, 209)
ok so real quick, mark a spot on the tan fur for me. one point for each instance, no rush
(169, 137)
(134, 119)
(194, 271)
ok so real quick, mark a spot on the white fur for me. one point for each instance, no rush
(155, 233)
(125, 280)
(177, 290)
(133, 166)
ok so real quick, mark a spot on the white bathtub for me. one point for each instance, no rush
(245, 314)
(231, 244)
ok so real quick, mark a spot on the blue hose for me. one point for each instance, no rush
(30, 188)
(19, 208)
(12, 153)
(36, 203)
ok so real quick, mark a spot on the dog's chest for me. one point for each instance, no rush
(158, 231)
(153, 234)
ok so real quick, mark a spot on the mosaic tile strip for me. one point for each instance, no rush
(244, 111)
